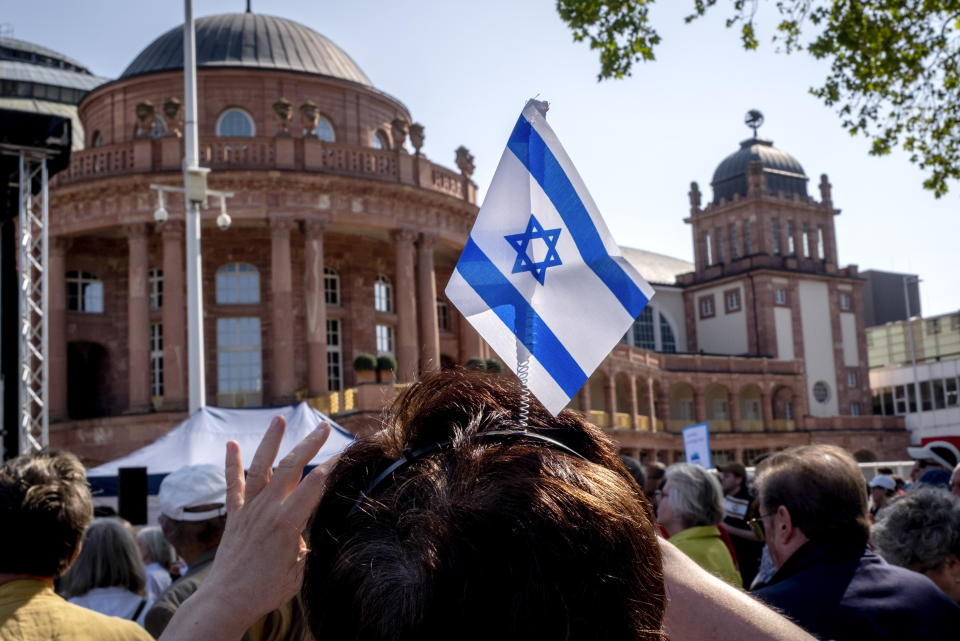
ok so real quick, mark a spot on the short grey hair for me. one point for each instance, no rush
(109, 557)
(695, 495)
(157, 549)
(918, 530)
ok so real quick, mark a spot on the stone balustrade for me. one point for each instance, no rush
(267, 153)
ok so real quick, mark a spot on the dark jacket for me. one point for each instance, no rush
(847, 593)
(167, 603)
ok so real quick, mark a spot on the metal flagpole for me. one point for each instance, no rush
(191, 174)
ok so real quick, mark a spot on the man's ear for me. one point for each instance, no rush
(785, 531)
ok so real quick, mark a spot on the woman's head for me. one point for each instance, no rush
(921, 531)
(691, 496)
(154, 548)
(482, 535)
(108, 557)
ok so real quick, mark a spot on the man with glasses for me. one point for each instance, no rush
(813, 514)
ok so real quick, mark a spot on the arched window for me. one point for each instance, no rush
(380, 140)
(643, 330)
(382, 294)
(235, 122)
(331, 286)
(238, 283)
(324, 130)
(84, 293)
(668, 343)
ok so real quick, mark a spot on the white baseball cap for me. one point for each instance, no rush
(193, 486)
(941, 452)
(884, 481)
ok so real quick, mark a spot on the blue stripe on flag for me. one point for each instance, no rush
(516, 313)
(536, 156)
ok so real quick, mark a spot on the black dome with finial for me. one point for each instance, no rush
(782, 171)
(250, 40)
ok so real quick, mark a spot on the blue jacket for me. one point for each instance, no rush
(847, 593)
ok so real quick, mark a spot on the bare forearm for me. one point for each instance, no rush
(701, 607)
(741, 532)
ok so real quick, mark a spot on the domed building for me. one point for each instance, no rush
(343, 236)
(338, 239)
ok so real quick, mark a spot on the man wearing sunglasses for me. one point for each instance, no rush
(813, 515)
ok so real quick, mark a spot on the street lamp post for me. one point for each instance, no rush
(913, 353)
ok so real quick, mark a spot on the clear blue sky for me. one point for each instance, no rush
(465, 69)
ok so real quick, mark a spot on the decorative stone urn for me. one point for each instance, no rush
(465, 161)
(284, 111)
(399, 127)
(309, 118)
(171, 113)
(146, 112)
(416, 137)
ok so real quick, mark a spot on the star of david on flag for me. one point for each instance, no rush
(540, 277)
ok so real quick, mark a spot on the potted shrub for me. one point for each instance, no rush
(477, 364)
(385, 363)
(365, 365)
(494, 366)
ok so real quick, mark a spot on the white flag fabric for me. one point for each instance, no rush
(540, 273)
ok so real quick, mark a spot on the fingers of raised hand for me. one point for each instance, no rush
(261, 468)
(290, 468)
(234, 473)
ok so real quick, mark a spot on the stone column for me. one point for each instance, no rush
(651, 405)
(316, 305)
(57, 310)
(610, 391)
(699, 406)
(138, 320)
(427, 297)
(174, 316)
(406, 347)
(733, 404)
(812, 240)
(284, 384)
(585, 399)
(665, 410)
(799, 410)
(766, 405)
(634, 409)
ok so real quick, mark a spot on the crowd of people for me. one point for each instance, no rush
(461, 519)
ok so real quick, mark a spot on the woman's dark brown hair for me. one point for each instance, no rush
(485, 537)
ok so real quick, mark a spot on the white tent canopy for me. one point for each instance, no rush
(202, 438)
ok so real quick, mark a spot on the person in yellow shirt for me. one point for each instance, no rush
(45, 507)
(690, 507)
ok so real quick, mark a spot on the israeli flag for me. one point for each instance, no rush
(540, 276)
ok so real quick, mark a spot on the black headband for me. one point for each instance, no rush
(411, 456)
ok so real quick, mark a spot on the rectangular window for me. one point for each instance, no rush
(443, 315)
(331, 287)
(334, 356)
(706, 307)
(955, 321)
(384, 339)
(791, 241)
(855, 409)
(731, 299)
(845, 302)
(643, 333)
(734, 249)
(888, 402)
(900, 398)
(719, 232)
(806, 240)
(878, 403)
(774, 236)
(912, 398)
(780, 296)
(950, 386)
(926, 400)
(933, 326)
(747, 239)
(239, 369)
(820, 253)
(156, 359)
(708, 250)
(156, 289)
(939, 400)
(851, 379)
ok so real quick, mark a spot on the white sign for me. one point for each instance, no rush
(696, 444)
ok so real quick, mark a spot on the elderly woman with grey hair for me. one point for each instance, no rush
(158, 555)
(108, 575)
(921, 531)
(690, 509)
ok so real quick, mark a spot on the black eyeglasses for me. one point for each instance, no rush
(756, 526)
